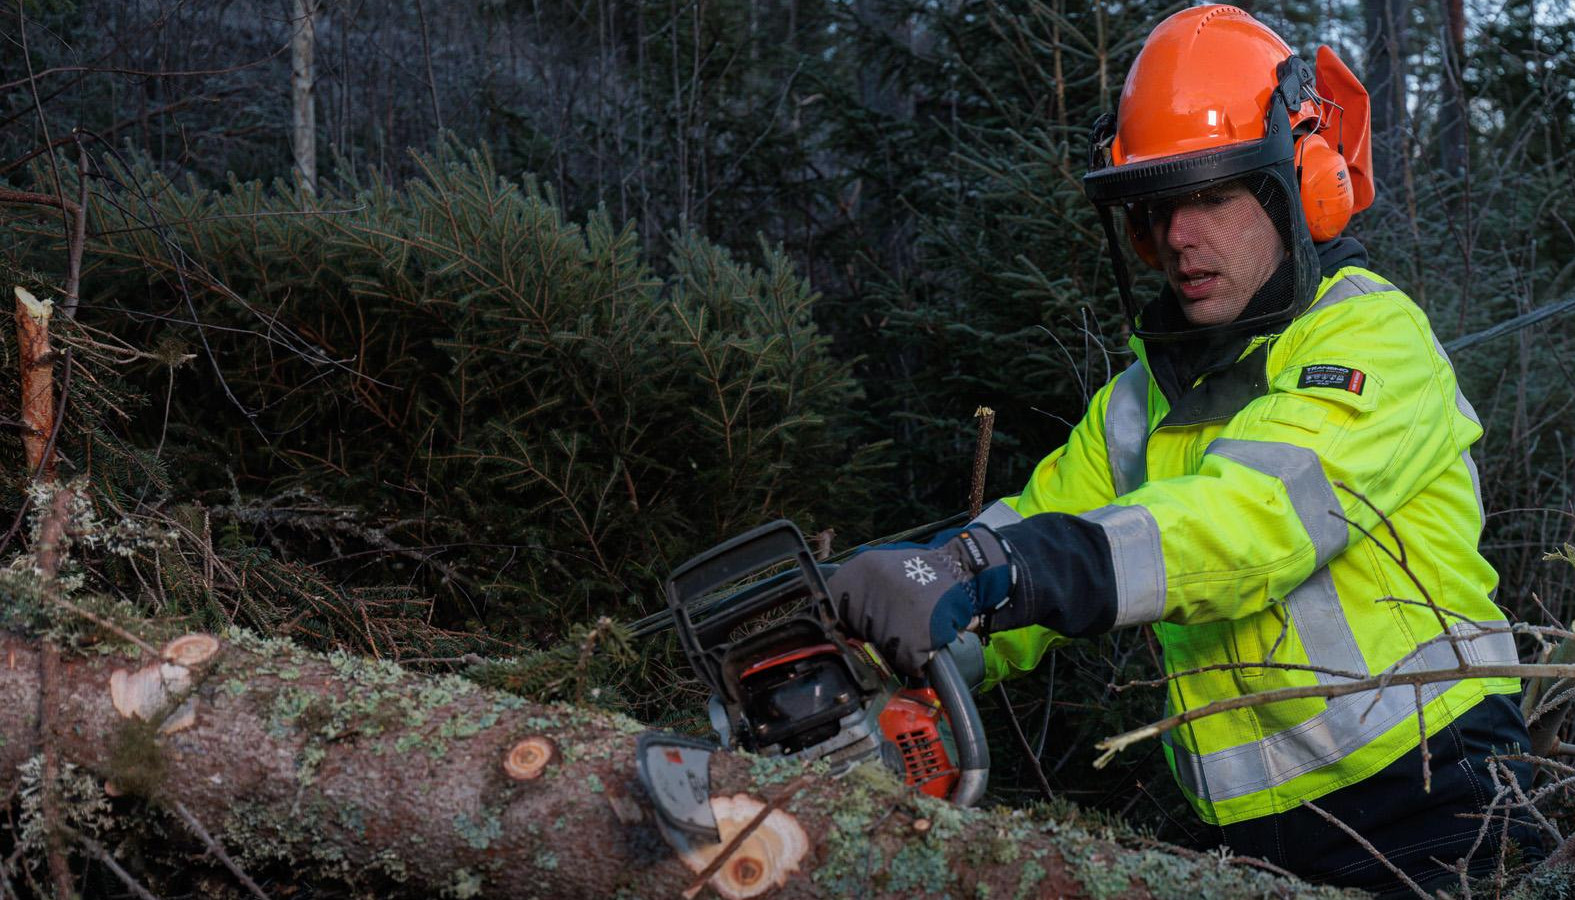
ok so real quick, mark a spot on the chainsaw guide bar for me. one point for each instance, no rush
(676, 773)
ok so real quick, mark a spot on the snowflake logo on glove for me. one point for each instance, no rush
(919, 570)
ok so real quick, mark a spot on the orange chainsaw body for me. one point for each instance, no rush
(912, 721)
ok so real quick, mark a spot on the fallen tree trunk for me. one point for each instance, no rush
(402, 783)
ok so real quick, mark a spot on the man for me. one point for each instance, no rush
(1230, 488)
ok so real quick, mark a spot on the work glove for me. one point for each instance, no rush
(909, 600)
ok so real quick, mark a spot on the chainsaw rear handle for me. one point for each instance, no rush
(973, 753)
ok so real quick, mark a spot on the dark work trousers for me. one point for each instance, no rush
(1416, 831)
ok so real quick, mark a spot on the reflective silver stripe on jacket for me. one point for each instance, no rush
(1137, 560)
(1345, 726)
(1311, 495)
(1314, 605)
(1126, 429)
(1348, 287)
(1325, 633)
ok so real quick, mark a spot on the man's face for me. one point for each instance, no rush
(1217, 247)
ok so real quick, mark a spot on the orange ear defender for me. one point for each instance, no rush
(1327, 198)
(1350, 124)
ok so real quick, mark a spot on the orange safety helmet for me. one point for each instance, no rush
(1215, 95)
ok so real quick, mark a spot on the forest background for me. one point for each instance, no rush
(438, 332)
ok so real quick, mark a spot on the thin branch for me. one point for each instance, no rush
(1366, 845)
(1400, 557)
(217, 850)
(76, 237)
(97, 850)
(717, 861)
(1120, 742)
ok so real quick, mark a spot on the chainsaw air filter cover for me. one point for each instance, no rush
(796, 699)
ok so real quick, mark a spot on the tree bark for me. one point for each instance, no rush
(303, 74)
(1385, 21)
(409, 785)
(37, 363)
(1452, 104)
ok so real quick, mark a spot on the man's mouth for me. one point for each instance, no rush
(1197, 284)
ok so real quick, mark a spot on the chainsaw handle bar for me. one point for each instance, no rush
(973, 752)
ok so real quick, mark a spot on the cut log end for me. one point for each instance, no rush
(191, 649)
(36, 309)
(764, 860)
(529, 758)
(145, 692)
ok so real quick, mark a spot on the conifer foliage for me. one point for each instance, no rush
(447, 384)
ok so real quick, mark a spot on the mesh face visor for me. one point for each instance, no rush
(1209, 243)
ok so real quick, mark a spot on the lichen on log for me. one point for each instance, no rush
(357, 770)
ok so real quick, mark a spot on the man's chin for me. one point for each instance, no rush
(1207, 311)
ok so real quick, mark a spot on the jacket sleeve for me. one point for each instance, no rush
(1263, 509)
(1074, 478)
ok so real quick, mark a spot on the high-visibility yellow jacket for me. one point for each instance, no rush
(1223, 517)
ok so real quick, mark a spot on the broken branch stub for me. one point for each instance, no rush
(191, 650)
(147, 693)
(529, 758)
(38, 381)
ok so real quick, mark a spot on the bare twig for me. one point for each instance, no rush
(720, 859)
(1510, 326)
(1400, 558)
(1120, 742)
(217, 850)
(76, 238)
(1017, 728)
(981, 459)
(24, 198)
(97, 850)
(1367, 845)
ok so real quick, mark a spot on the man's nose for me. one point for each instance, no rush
(1184, 227)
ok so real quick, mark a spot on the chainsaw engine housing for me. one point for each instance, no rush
(784, 680)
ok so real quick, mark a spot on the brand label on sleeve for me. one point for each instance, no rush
(1329, 376)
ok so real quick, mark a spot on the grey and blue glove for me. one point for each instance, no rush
(909, 600)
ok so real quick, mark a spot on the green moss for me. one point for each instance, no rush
(479, 833)
(920, 867)
(136, 764)
(546, 860)
(306, 763)
(353, 819)
(465, 726)
(464, 884)
(594, 783)
(1027, 878)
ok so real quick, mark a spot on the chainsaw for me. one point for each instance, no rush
(787, 681)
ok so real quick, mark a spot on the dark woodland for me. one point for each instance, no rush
(374, 362)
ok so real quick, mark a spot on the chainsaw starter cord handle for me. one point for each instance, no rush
(973, 753)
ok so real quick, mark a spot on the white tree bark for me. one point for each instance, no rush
(303, 122)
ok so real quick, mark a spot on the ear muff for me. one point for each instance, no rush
(1327, 199)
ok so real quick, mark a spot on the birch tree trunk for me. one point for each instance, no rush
(303, 121)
